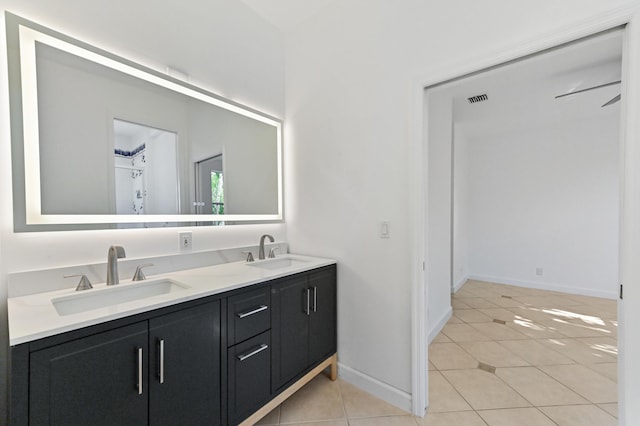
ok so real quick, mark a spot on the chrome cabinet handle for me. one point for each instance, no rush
(308, 309)
(252, 312)
(315, 299)
(256, 351)
(161, 369)
(140, 371)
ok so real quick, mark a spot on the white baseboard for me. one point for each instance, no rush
(375, 387)
(436, 327)
(459, 284)
(545, 286)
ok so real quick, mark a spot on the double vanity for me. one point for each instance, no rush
(217, 345)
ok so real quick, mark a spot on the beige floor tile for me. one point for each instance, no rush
(499, 313)
(515, 416)
(458, 303)
(432, 367)
(317, 400)
(326, 423)
(535, 329)
(484, 390)
(538, 388)
(497, 331)
(493, 354)
(443, 397)
(385, 421)
(607, 369)
(573, 328)
(441, 338)
(463, 333)
(611, 408)
(460, 418)
(607, 345)
(579, 415)
(467, 291)
(535, 353)
(359, 403)
(577, 351)
(584, 381)
(585, 300)
(472, 315)
(477, 302)
(450, 356)
(273, 418)
(551, 301)
(504, 302)
(532, 313)
(454, 319)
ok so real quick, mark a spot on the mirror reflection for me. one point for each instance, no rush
(107, 141)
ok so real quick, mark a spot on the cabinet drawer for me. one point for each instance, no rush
(248, 314)
(249, 378)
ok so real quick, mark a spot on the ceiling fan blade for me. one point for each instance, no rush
(612, 101)
(589, 88)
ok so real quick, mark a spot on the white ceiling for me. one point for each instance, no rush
(287, 14)
(522, 94)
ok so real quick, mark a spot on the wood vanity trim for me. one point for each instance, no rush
(331, 362)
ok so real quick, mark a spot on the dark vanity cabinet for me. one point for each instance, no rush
(162, 371)
(304, 323)
(211, 361)
(184, 367)
(249, 353)
(91, 381)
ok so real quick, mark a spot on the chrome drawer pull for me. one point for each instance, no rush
(139, 371)
(253, 311)
(161, 373)
(257, 350)
(315, 299)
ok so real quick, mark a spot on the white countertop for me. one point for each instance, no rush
(34, 317)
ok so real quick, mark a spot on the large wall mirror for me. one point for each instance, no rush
(99, 142)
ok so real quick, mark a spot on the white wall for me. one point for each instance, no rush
(161, 180)
(547, 198)
(439, 175)
(224, 47)
(461, 209)
(349, 76)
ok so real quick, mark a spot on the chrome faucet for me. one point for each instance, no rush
(114, 253)
(261, 249)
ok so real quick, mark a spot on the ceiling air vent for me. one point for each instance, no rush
(478, 98)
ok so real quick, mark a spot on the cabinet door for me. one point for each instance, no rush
(91, 381)
(249, 386)
(290, 329)
(184, 367)
(322, 319)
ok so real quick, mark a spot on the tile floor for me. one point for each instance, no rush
(508, 356)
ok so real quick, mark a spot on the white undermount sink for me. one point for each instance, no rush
(277, 263)
(96, 298)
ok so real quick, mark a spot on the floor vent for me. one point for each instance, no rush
(486, 367)
(478, 98)
(499, 321)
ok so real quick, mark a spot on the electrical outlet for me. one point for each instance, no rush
(539, 272)
(185, 241)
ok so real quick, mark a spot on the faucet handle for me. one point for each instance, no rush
(84, 283)
(272, 252)
(249, 256)
(139, 275)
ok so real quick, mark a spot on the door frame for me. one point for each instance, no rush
(629, 349)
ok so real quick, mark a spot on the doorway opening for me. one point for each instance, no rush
(523, 192)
